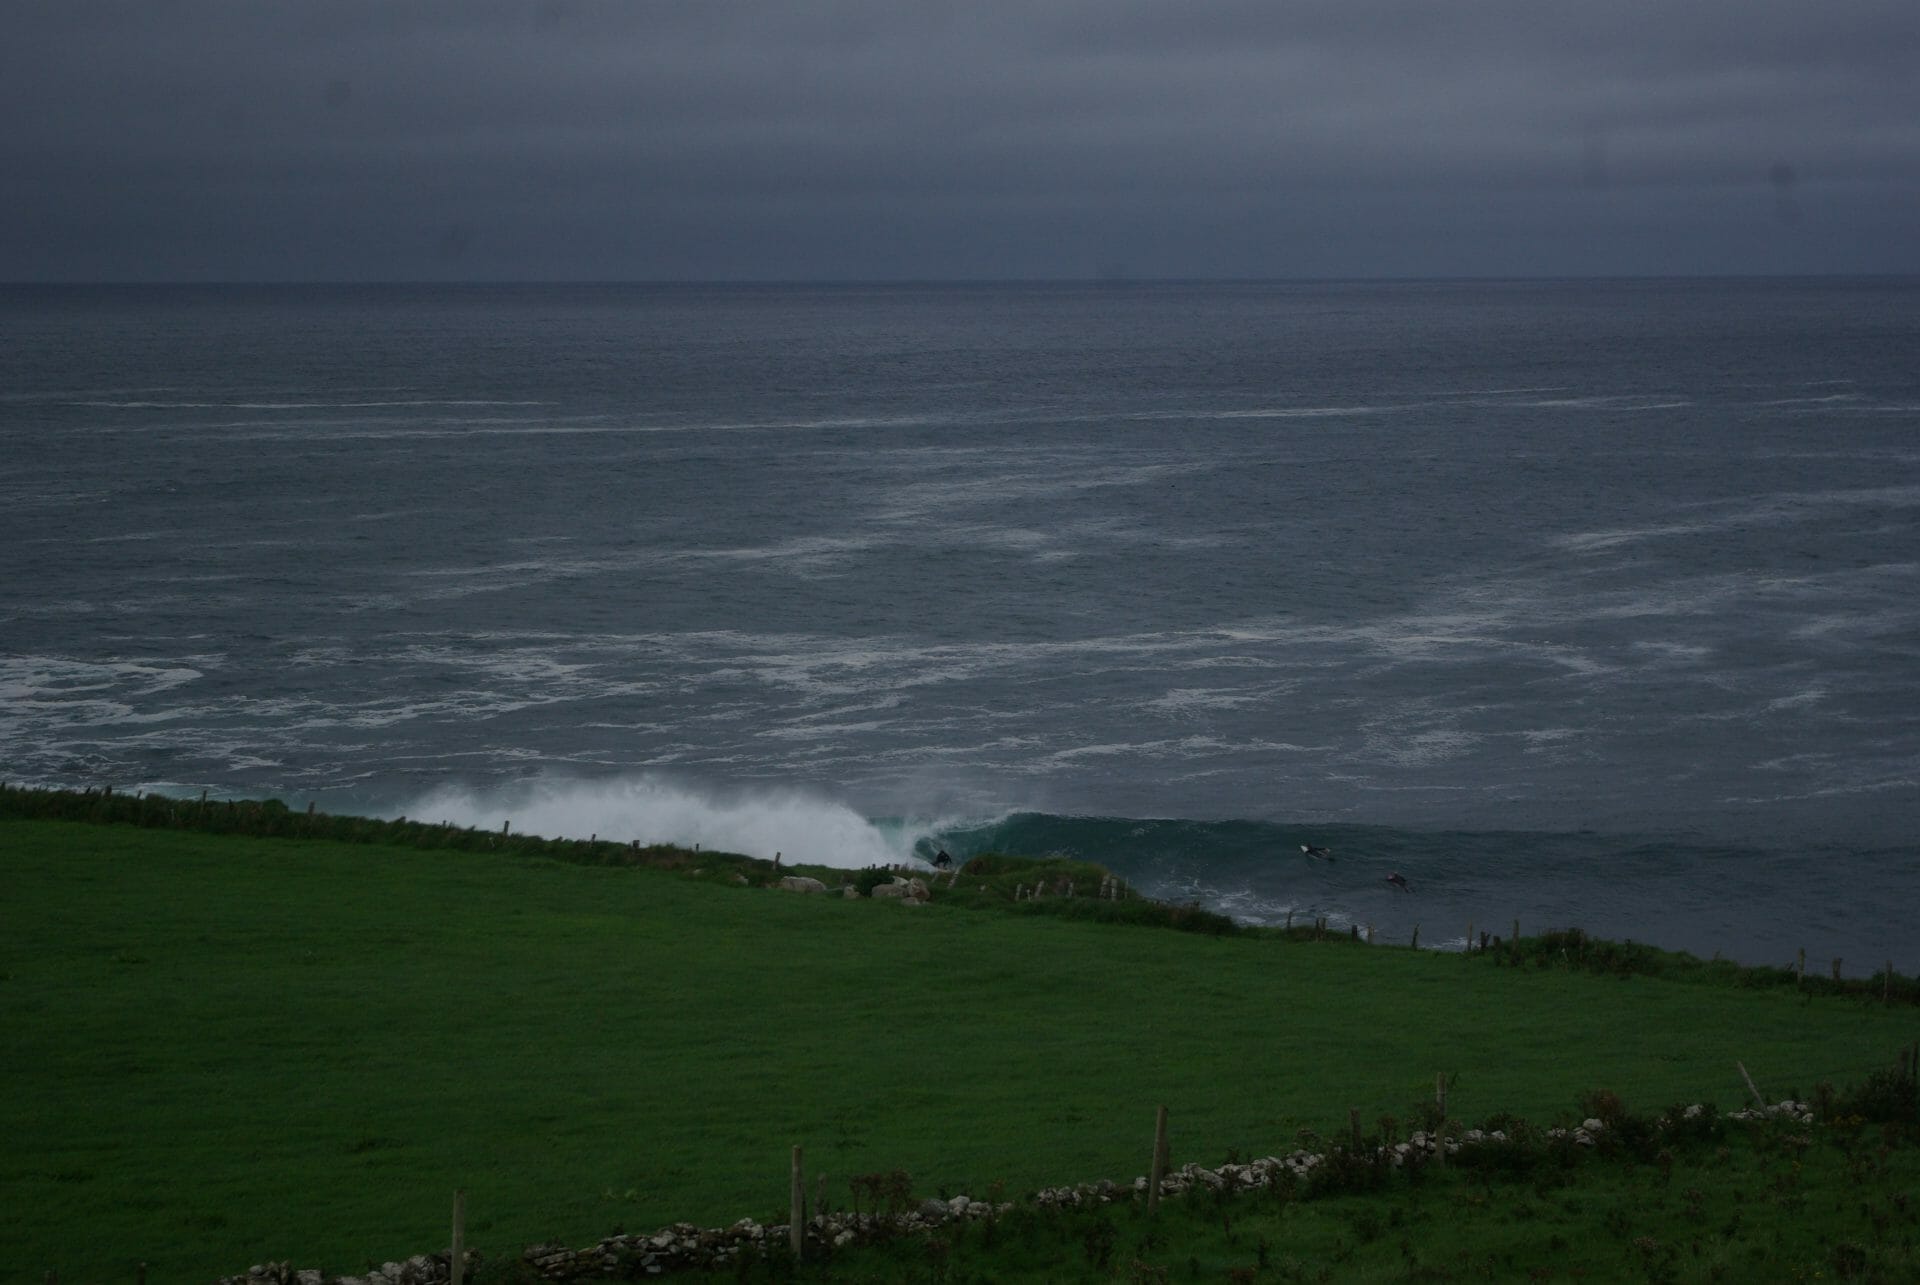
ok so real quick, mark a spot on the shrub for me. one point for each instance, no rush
(1603, 1105)
(870, 878)
(1887, 1097)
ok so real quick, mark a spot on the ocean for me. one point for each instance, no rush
(1575, 603)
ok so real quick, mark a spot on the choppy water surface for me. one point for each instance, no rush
(1580, 603)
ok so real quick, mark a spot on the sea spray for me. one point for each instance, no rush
(799, 825)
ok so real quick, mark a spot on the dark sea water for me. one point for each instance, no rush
(1578, 603)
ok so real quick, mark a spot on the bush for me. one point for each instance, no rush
(1704, 1125)
(870, 878)
(1887, 1097)
(1603, 1105)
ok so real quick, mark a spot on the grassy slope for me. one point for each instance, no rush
(221, 1050)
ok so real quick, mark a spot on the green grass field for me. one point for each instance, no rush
(1762, 1209)
(222, 1050)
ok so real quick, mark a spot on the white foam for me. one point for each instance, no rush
(816, 551)
(1303, 412)
(60, 678)
(1882, 786)
(1677, 653)
(1188, 747)
(1782, 508)
(1402, 748)
(812, 731)
(425, 401)
(1621, 401)
(1589, 541)
(799, 825)
(1499, 392)
(1188, 700)
(1025, 476)
(1798, 700)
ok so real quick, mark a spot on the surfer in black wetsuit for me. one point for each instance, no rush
(1399, 881)
(941, 861)
(1316, 852)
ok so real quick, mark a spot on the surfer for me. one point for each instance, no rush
(1399, 881)
(1316, 852)
(941, 860)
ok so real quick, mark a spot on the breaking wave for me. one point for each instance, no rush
(799, 825)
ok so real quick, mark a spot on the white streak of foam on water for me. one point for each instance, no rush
(1190, 701)
(306, 405)
(1544, 738)
(1306, 412)
(823, 731)
(1779, 508)
(1418, 749)
(1040, 475)
(1184, 747)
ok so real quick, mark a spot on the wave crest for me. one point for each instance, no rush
(799, 825)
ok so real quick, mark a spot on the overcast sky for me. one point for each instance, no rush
(733, 139)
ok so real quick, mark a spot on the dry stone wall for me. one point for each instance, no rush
(686, 1246)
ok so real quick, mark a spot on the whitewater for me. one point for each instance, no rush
(1578, 603)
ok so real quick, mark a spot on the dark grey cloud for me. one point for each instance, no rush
(632, 139)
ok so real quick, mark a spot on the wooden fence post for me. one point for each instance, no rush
(1440, 1129)
(1159, 1169)
(1416, 936)
(1469, 937)
(1353, 1123)
(1800, 968)
(1886, 985)
(1751, 1086)
(457, 1259)
(1836, 968)
(797, 1211)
